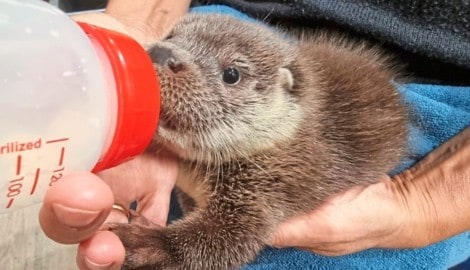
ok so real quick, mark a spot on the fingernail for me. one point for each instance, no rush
(74, 217)
(96, 266)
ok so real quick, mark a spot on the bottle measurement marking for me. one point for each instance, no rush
(18, 165)
(57, 141)
(10, 202)
(61, 159)
(57, 173)
(36, 180)
(14, 189)
(56, 176)
(16, 185)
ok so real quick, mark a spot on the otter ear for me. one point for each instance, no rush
(286, 78)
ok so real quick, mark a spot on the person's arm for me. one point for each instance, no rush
(436, 192)
(145, 20)
(423, 205)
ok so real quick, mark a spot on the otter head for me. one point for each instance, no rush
(226, 88)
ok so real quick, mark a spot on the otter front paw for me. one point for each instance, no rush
(145, 245)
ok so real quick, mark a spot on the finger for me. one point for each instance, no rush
(118, 214)
(149, 21)
(340, 248)
(441, 153)
(326, 252)
(75, 207)
(102, 251)
(155, 206)
(102, 20)
(335, 249)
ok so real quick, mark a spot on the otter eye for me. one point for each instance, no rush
(231, 75)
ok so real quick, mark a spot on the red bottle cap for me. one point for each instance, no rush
(138, 95)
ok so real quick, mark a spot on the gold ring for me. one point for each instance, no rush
(121, 209)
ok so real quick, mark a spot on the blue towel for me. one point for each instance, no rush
(438, 112)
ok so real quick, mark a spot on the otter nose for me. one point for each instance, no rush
(165, 57)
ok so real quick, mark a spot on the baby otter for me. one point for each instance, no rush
(267, 126)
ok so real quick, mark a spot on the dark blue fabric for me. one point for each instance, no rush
(462, 266)
(438, 29)
(432, 37)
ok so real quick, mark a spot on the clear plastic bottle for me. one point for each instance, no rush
(72, 97)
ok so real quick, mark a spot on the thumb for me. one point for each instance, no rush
(75, 207)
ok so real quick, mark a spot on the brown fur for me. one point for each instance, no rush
(309, 118)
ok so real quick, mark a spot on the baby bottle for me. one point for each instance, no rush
(72, 97)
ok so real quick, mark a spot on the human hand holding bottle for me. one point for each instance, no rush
(77, 206)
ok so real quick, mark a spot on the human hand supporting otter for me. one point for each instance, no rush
(420, 206)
